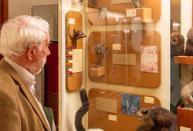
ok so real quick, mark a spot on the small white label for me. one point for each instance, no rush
(70, 61)
(131, 12)
(112, 117)
(77, 60)
(71, 21)
(69, 52)
(149, 100)
(116, 46)
(184, 128)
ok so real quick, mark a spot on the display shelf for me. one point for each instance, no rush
(183, 59)
(94, 18)
(119, 7)
(74, 80)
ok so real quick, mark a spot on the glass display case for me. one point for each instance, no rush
(116, 47)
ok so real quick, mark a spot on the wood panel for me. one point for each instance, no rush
(74, 21)
(130, 44)
(99, 119)
(155, 5)
(69, 28)
(184, 117)
(183, 59)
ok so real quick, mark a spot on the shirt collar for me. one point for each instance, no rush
(23, 73)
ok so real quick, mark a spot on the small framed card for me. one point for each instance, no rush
(130, 104)
(149, 59)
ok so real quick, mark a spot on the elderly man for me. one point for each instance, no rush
(24, 43)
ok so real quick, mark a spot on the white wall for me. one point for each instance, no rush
(69, 103)
(186, 16)
(186, 24)
(23, 7)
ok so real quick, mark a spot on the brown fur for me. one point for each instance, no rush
(189, 43)
(177, 44)
(156, 119)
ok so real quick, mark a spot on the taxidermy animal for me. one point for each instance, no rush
(186, 94)
(189, 43)
(176, 44)
(156, 119)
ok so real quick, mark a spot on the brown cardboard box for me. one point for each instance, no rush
(74, 81)
(97, 71)
(140, 14)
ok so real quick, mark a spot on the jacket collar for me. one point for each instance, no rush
(25, 90)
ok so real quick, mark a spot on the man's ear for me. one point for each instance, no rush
(31, 51)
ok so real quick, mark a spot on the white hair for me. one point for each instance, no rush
(19, 33)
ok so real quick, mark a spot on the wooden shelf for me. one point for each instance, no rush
(183, 59)
(184, 116)
(155, 5)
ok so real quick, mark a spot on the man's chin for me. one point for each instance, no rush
(36, 71)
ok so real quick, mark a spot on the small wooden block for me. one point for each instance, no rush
(97, 71)
(74, 81)
(144, 13)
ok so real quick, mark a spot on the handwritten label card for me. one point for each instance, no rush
(149, 59)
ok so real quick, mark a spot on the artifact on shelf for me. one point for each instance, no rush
(81, 1)
(103, 16)
(136, 3)
(98, 69)
(139, 14)
(186, 95)
(176, 44)
(77, 2)
(76, 34)
(156, 119)
(189, 43)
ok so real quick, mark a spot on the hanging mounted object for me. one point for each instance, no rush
(98, 69)
(81, 1)
(176, 44)
(136, 3)
(189, 43)
(76, 34)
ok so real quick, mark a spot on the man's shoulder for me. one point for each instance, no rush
(4, 74)
(5, 79)
(4, 67)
